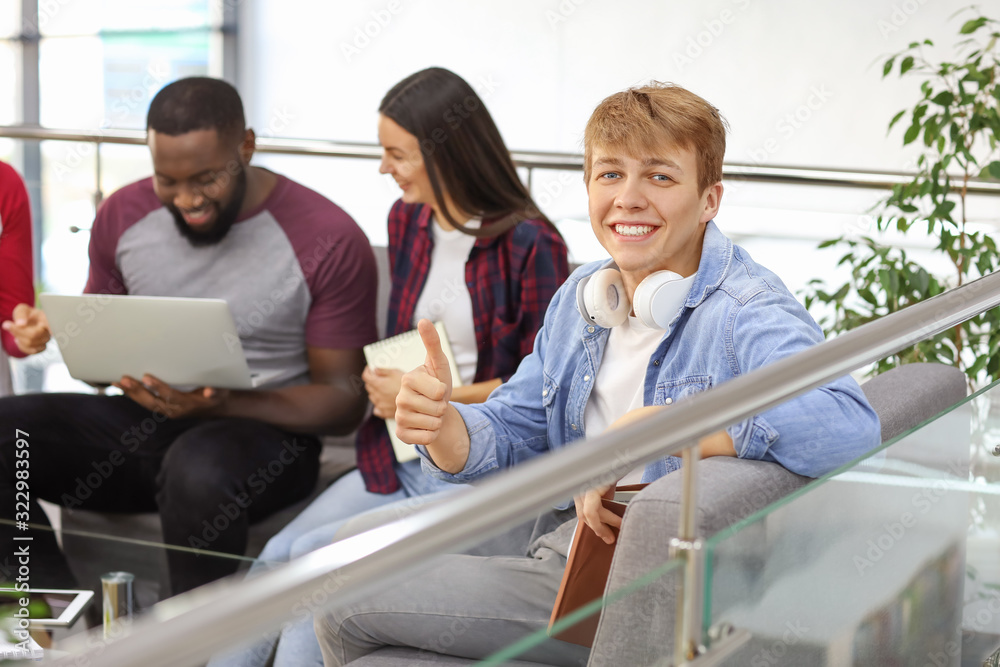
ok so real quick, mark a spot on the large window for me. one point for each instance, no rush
(97, 64)
(10, 65)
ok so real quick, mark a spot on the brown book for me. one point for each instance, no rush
(587, 567)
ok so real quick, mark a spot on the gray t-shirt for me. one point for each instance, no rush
(297, 271)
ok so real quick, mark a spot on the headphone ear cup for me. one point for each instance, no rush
(601, 299)
(658, 297)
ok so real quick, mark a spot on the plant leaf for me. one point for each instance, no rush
(970, 27)
(943, 98)
(896, 118)
(888, 66)
(906, 65)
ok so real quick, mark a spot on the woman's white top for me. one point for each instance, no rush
(445, 296)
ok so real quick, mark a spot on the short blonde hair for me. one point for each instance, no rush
(641, 119)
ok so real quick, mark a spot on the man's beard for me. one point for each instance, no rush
(224, 221)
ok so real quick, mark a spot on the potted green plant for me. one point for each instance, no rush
(956, 120)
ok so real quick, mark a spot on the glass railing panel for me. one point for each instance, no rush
(664, 582)
(981, 611)
(865, 566)
(748, 563)
(57, 628)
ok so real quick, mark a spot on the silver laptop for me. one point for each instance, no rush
(186, 343)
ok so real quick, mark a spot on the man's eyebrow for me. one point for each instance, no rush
(661, 162)
(648, 162)
(203, 172)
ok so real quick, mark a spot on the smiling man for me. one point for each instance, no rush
(300, 279)
(677, 310)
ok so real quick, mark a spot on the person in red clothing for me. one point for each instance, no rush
(16, 272)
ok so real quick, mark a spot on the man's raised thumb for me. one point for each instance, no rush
(436, 362)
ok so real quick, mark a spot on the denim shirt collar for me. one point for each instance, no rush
(716, 255)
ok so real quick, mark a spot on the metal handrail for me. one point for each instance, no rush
(193, 626)
(759, 173)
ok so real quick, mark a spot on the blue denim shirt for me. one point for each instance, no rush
(737, 317)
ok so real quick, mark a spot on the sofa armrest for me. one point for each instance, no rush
(639, 628)
(909, 395)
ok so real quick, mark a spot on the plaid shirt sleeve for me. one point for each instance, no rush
(408, 266)
(511, 285)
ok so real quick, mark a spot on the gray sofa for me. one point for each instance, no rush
(637, 630)
(90, 557)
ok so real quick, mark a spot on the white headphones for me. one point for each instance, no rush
(601, 298)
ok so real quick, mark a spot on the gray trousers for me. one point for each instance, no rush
(468, 605)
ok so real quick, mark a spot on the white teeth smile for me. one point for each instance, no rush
(196, 216)
(633, 230)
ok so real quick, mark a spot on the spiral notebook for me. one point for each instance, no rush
(405, 352)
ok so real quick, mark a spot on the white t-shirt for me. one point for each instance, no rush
(620, 381)
(446, 298)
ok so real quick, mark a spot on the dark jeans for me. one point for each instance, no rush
(209, 479)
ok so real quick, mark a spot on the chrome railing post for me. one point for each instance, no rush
(98, 194)
(687, 545)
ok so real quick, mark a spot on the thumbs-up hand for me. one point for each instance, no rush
(424, 393)
(29, 327)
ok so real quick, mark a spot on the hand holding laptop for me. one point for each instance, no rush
(160, 397)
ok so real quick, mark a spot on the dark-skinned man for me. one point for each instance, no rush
(300, 279)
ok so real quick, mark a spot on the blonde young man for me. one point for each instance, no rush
(680, 309)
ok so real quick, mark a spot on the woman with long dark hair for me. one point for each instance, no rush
(467, 247)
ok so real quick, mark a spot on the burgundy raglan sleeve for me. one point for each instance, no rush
(343, 286)
(104, 276)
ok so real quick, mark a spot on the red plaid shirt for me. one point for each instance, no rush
(511, 279)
